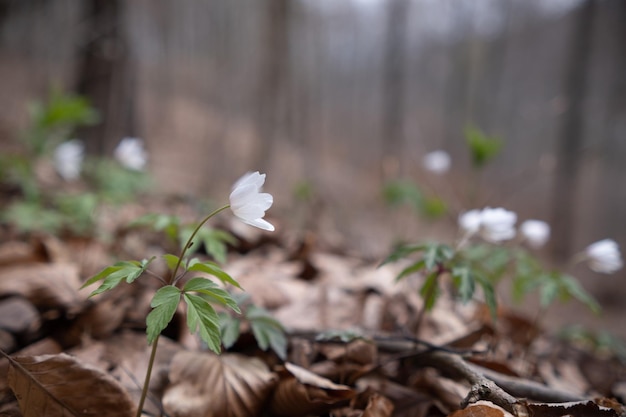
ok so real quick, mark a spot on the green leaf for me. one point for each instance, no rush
(430, 291)
(216, 243)
(417, 266)
(203, 318)
(268, 332)
(431, 256)
(548, 291)
(573, 287)
(212, 268)
(464, 282)
(164, 303)
(434, 207)
(482, 147)
(170, 224)
(402, 252)
(114, 275)
(489, 294)
(229, 329)
(209, 289)
(396, 193)
(171, 261)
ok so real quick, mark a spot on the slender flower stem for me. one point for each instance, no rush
(173, 278)
(146, 384)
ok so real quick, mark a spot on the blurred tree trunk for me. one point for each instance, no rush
(104, 75)
(614, 150)
(570, 138)
(272, 90)
(394, 86)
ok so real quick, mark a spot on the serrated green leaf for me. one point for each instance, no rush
(430, 291)
(212, 268)
(164, 304)
(140, 269)
(489, 294)
(573, 287)
(431, 256)
(102, 275)
(417, 266)
(402, 252)
(126, 270)
(203, 318)
(465, 283)
(267, 331)
(215, 242)
(445, 252)
(171, 260)
(229, 329)
(209, 289)
(548, 291)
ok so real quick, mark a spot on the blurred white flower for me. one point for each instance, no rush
(68, 159)
(497, 224)
(604, 256)
(469, 222)
(535, 232)
(437, 162)
(131, 153)
(248, 202)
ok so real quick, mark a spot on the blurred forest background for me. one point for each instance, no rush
(344, 95)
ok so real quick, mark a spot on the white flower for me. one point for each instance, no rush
(248, 202)
(497, 224)
(131, 153)
(437, 162)
(68, 159)
(469, 222)
(604, 256)
(536, 232)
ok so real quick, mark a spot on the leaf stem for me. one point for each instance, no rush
(146, 384)
(173, 278)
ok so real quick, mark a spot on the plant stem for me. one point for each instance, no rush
(190, 240)
(146, 384)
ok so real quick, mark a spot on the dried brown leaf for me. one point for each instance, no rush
(53, 286)
(481, 409)
(208, 385)
(60, 385)
(302, 392)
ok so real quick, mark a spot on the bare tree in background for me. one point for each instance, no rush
(104, 75)
(272, 91)
(571, 137)
(394, 80)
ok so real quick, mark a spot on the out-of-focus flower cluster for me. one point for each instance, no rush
(497, 225)
(69, 157)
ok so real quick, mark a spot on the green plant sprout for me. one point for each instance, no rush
(199, 293)
(69, 201)
(490, 248)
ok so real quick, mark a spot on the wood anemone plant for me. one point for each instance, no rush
(249, 204)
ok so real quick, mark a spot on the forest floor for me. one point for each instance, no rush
(357, 342)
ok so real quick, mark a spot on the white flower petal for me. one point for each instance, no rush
(469, 222)
(250, 178)
(248, 203)
(68, 159)
(604, 256)
(261, 224)
(497, 224)
(131, 154)
(535, 232)
(437, 162)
